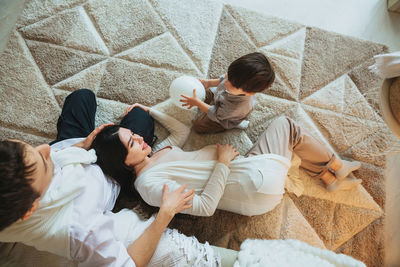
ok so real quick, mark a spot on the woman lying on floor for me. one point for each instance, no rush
(247, 185)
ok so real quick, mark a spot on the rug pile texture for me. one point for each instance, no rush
(129, 51)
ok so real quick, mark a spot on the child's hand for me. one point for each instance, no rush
(190, 101)
(205, 83)
(145, 108)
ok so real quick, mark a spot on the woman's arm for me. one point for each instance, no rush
(205, 203)
(179, 132)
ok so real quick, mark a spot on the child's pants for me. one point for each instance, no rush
(203, 124)
(284, 136)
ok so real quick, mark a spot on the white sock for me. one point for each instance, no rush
(243, 125)
(347, 168)
(343, 184)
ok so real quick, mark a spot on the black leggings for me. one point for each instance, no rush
(78, 117)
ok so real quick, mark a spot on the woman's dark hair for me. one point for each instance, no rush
(252, 72)
(16, 192)
(111, 155)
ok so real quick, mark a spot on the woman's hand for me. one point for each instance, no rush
(226, 153)
(145, 108)
(175, 201)
(87, 142)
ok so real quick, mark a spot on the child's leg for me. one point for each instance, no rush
(209, 96)
(204, 125)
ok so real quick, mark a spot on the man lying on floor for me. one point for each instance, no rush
(57, 200)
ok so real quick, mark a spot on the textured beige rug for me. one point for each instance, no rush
(130, 51)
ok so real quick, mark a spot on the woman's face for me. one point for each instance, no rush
(138, 149)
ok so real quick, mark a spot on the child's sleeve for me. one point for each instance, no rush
(179, 132)
(220, 112)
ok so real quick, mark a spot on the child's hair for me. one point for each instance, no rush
(252, 72)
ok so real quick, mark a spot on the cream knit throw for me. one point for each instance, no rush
(290, 253)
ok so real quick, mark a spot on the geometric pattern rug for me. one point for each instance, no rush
(129, 51)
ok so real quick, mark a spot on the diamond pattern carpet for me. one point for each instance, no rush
(129, 51)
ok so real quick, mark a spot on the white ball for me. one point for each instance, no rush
(184, 85)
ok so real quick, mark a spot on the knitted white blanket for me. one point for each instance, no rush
(289, 253)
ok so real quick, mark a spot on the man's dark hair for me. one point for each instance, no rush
(16, 193)
(252, 72)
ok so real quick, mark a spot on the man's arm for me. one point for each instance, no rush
(143, 248)
(87, 142)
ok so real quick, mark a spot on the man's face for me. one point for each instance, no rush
(43, 166)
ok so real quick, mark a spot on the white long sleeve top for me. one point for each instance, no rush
(87, 231)
(98, 237)
(250, 186)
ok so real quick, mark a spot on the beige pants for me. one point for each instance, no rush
(284, 136)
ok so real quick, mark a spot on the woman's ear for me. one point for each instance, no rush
(126, 165)
(34, 207)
